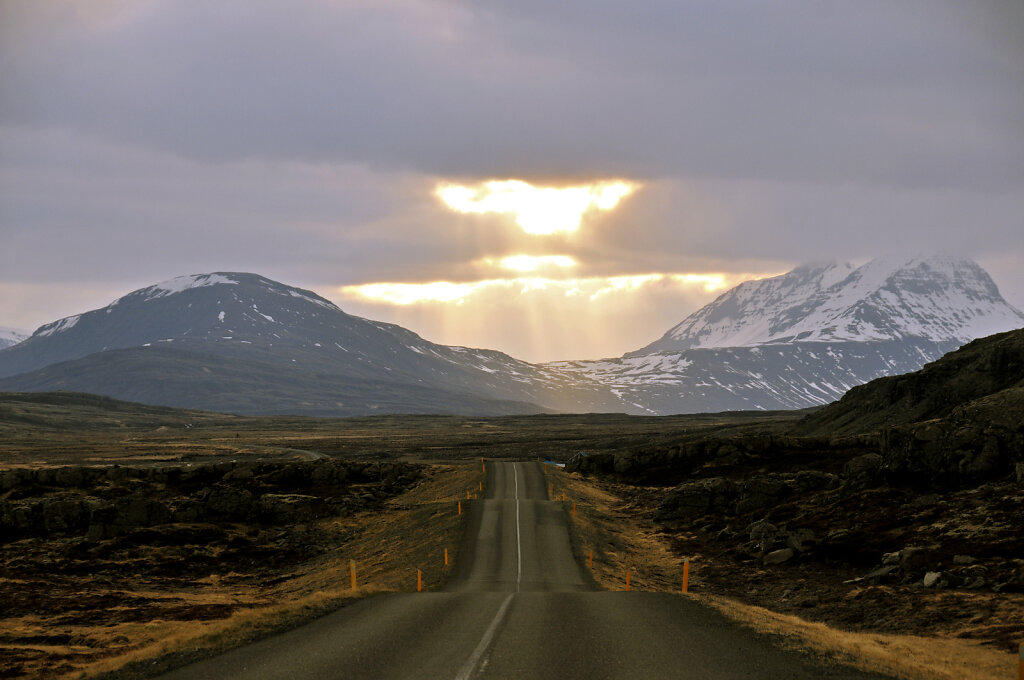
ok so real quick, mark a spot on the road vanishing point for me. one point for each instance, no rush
(518, 606)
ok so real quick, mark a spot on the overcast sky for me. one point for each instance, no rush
(305, 141)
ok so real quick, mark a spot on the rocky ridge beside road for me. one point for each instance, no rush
(861, 515)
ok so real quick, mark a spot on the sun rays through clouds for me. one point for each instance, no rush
(539, 210)
(536, 263)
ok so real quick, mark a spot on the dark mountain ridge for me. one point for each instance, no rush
(242, 343)
(988, 369)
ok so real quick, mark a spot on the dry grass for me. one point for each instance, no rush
(621, 542)
(386, 551)
(903, 656)
(618, 541)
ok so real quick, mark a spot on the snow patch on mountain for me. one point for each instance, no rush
(60, 326)
(940, 298)
(180, 284)
(11, 336)
(650, 369)
(326, 304)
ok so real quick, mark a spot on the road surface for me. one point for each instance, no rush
(518, 607)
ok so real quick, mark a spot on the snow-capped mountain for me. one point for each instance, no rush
(244, 343)
(806, 337)
(10, 336)
(938, 298)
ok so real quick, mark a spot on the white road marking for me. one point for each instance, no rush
(519, 542)
(467, 669)
(485, 642)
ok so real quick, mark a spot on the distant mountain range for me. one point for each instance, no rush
(806, 337)
(242, 343)
(9, 337)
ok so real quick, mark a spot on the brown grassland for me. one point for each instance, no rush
(617, 529)
(110, 616)
(115, 625)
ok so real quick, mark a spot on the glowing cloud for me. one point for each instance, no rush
(412, 293)
(538, 210)
(531, 263)
(712, 282)
(592, 287)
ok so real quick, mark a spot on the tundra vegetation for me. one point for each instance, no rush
(136, 538)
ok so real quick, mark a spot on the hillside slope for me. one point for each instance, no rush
(982, 373)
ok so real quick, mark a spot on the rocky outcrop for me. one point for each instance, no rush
(106, 502)
(687, 458)
(696, 499)
(864, 471)
(722, 497)
(952, 452)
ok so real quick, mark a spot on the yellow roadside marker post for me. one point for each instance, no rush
(446, 557)
(574, 509)
(686, 574)
(419, 580)
(591, 559)
(467, 495)
(627, 580)
(352, 572)
(460, 507)
(480, 487)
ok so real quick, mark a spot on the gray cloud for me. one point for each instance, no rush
(915, 94)
(140, 140)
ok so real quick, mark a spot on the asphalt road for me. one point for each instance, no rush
(518, 607)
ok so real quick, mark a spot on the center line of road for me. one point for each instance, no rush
(519, 543)
(467, 668)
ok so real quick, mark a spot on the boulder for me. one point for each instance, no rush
(10, 479)
(815, 480)
(915, 558)
(691, 500)
(278, 508)
(189, 510)
(225, 502)
(762, 492)
(64, 514)
(863, 472)
(879, 574)
(139, 511)
(950, 452)
(69, 477)
(779, 556)
(801, 540)
(242, 473)
(764, 532)
(584, 462)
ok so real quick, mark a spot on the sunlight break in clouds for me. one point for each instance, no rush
(538, 210)
(412, 293)
(592, 287)
(531, 263)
